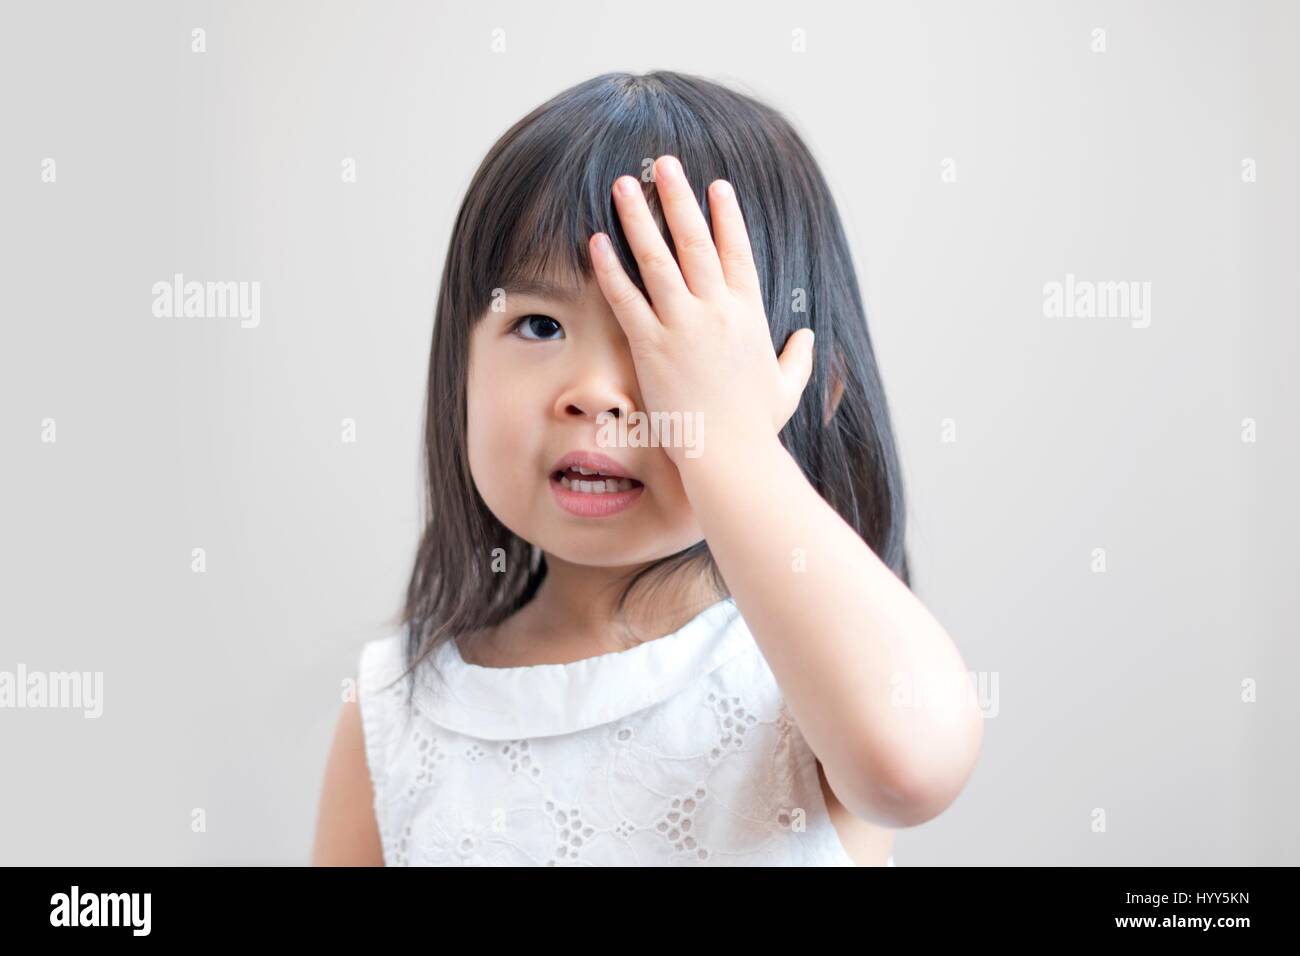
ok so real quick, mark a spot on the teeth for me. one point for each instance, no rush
(606, 487)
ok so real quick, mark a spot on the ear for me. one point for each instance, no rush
(836, 392)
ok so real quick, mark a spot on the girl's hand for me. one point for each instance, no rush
(704, 347)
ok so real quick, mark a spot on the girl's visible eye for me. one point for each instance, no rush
(541, 325)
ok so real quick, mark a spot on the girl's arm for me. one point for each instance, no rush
(841, 633)
(346, 831)
(845, 634)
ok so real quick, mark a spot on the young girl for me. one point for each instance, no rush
(692, 644)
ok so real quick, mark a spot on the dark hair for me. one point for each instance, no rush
(539, 194)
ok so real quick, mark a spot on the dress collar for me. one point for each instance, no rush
(542, 700)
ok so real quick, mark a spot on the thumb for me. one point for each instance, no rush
(796, 363)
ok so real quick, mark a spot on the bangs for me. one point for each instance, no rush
(545, 188)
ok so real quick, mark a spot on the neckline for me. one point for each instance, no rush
(458, 659)
(540, 700)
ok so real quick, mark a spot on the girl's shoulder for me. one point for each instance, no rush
(382, 697)
(382, 661)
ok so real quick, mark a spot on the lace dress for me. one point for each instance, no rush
(679, 751)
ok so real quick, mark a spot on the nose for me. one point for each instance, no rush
(606, 386)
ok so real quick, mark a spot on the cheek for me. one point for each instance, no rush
(501, 439)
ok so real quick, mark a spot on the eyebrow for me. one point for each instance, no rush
(544, 289)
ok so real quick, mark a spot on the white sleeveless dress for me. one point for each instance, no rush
(679, 751)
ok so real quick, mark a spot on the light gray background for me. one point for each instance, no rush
(1119, 691)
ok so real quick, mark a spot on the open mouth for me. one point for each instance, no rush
(588, 482)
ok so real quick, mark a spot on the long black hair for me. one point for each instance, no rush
(537, 197)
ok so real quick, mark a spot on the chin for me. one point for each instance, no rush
(616, 551)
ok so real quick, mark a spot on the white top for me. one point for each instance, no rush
(679, 751)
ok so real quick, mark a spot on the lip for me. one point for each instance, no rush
(594, 461)
(586, 505)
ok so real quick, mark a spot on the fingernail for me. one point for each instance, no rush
(626, 185)
(723, 189)
(602, 244)
(672, 169)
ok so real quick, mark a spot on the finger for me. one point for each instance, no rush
(633, 312)
(732, 239)
(663, 279)
(796, 363)
(695, 249)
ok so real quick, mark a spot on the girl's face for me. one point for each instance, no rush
(540, 372)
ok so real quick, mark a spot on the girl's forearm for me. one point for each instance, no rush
(852, 648)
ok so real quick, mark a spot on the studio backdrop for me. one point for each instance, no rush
(1075, 228)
